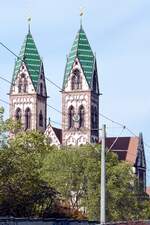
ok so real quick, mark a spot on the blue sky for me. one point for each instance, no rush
(119, 33)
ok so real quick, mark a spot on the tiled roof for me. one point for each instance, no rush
(148, 190)
(125, 147)
(30, 56)
(58, 133)
(82, 50)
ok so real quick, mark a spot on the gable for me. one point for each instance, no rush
(41, 85)
(125, 147)
(54, 135)
(14, 86)
(141, 161)
(84, 82)
(30, 57)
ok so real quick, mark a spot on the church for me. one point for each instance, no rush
(80, 101)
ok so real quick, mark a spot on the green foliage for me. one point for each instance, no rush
(75, 173)
(8, 126)
(2, 133)
(37, 179)
(22, 191)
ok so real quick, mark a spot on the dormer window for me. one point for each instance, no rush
(76, 80)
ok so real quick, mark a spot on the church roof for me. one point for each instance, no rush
(82, 50)
(30, 56)
(125, 147)
(58, 133)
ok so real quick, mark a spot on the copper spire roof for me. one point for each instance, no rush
(30, 56)
(81, 49)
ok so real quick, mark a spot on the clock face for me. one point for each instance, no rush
(76, 118)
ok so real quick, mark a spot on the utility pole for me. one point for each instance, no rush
(103, 178)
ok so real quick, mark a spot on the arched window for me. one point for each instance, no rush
(18, 114)
(27, 119)
(25, 84)
(40, 119)
(81, 116)
(70, 117)
(19, 85)
(76, 80)
(41, 89)
(22, 84)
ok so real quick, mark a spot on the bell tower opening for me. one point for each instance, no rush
(76, 80)
(28, 89)
(70, 117)
(18, 114)
(27, 119)
(81, 116)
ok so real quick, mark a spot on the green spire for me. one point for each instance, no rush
(82, 50)
(30, 56)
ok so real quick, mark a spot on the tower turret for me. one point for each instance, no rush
(80, 95)
(28, 95)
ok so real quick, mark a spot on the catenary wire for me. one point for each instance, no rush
(116, 139)
(113, 121)
(8, 49)
(107, 118)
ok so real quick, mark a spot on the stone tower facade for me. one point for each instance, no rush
(28, 95)
(80, 94)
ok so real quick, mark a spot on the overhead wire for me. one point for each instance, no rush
(4, 79)
(60, 89)
(116, 139)
(106, 117)
(8, 49)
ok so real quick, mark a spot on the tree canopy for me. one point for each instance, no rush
(37, 179)
(75, 172)
(22, 191)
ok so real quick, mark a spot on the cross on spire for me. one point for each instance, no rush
(29, 24)
(81, 14)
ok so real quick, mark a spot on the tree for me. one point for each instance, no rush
(37, 179)
(7, 127)
(22, 191)
(75, 173)
(2, 133)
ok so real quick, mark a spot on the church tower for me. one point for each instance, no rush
(28, 95)
(80, 94)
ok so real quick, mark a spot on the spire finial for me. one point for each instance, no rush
(81, 14)
(29, 24)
